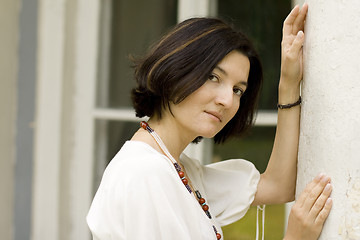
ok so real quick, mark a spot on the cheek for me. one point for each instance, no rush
(233, 110)
(236, 107)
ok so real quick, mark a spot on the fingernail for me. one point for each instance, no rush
(325, 179)
(328, 201)
(300, 34)
(318, 177)
(327, 187)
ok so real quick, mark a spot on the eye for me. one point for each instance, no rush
(213, 78)
(238, 91)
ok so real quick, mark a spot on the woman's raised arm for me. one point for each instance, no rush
(277, 183)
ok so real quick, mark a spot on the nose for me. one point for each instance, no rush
(225, 97)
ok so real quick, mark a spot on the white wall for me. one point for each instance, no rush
(330, 119)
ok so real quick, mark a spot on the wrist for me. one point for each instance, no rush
(288, 94)
(289, 105)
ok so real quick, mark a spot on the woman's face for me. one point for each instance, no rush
(207, 110)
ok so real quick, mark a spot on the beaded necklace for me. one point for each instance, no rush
(181, 173)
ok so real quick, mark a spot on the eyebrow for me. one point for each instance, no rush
(225, 73)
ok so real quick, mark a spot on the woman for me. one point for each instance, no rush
(202, 80)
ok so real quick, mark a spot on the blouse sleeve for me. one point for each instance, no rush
(230, 187)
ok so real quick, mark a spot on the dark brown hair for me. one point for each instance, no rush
(182, 61)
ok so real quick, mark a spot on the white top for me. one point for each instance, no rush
(142, 197)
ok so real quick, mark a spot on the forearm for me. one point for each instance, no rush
(281, 170)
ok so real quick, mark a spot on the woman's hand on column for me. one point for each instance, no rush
(310, 211)
(292, 54)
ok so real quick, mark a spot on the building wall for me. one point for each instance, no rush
(25, 120)
(9, 21)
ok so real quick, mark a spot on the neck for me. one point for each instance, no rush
(174, 139)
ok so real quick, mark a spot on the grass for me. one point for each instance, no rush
(245, 228)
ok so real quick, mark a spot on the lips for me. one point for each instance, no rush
(216, 115)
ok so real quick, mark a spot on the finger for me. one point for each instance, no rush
(308, 189)
(300, 20)
(315, 193)
(297, 45)
(288, 23)
(320, 202)
(324, 213)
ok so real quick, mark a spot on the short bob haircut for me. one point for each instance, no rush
(182, 61)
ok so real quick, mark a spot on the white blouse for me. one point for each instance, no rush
(142, 197)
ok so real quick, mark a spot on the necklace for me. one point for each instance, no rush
(180, 172)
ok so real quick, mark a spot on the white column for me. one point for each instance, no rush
(81, 162)
(45, 212)
(330, 118)
(198, 8)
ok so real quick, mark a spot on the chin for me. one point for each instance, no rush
(210, 134)
(208, 131)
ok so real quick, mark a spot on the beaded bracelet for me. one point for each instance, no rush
(285, 106)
